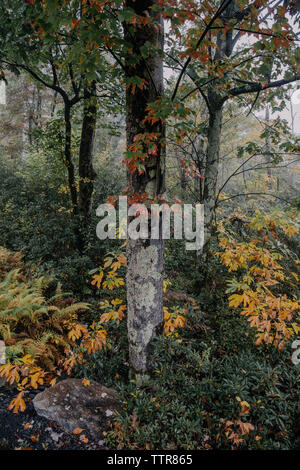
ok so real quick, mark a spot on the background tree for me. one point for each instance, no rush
(223, 65)
(54, 61)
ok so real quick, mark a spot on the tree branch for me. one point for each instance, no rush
(257, 87)
(255, 194)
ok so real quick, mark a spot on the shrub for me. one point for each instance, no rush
(205, 397)
(43, 337)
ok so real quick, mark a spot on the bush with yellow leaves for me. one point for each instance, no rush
(107, 279)
(263, 288)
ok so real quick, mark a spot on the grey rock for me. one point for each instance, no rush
(71, 404)
(55, 436)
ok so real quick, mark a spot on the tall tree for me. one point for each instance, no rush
(223, 65)
(54, 60)
(85, 166)
(145, 257)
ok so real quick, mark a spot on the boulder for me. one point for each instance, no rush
(72, 405)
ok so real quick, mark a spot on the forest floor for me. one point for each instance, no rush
(28, 431)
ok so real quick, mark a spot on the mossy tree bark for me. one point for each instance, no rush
(85, 167)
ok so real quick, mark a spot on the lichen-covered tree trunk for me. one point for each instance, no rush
(145, 257)
(268, 154)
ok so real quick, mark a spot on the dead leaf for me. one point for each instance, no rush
(77, 431)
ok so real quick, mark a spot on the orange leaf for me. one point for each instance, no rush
(77, 431)
(84, 439)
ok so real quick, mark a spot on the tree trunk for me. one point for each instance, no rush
(211, 168)
(268, 149)
(86, 170)
(145, 257)
(39, 108)
(68, 159)
(215, 102)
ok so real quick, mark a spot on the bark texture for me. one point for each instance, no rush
(86, 170)
(68, 158)
(145, 258)
(211, 166)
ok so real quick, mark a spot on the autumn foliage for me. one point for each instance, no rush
(259, 289)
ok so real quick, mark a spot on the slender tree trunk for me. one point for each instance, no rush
(268, 148)
(68, 159)
(215, 101)
(199, 163)
(39, 108)
(182, 178)
(145, 257)
(72, 178)
(86, 170)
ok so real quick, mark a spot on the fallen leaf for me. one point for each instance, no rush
(77, 431)
(84, 439)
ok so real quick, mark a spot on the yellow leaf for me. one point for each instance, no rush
(97, 279)
(18, 404)
(295, 276)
